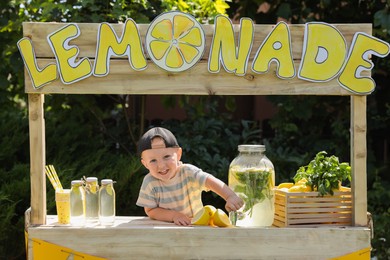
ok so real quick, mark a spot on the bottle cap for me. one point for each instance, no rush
(106, 181)
(92, 179)
(77, 182)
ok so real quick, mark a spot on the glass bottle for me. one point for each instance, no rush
(106, 202)
(252, 177)
(91, 199)
(77, 203)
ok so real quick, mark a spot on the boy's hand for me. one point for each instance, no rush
(233, 203)
(181, 220)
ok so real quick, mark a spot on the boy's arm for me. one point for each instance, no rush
(233, 202)
(168, 215)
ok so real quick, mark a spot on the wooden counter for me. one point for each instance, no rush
(143, 238)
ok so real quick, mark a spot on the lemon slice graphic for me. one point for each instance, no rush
(175, 41)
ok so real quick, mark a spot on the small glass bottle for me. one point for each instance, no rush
(77, 203)
(252, 177)
(107, 202)
(92, 199)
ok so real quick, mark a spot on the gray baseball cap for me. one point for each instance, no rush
(145, 143)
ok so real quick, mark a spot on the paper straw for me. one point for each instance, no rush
(53, 177)
(49, 175)
(53, 171)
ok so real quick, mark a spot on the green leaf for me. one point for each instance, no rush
(324, 173)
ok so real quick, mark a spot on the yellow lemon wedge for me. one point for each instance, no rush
(175, 41)
(285, 185)
(221, 219)
(203, 216)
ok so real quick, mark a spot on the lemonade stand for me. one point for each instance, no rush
(176, 55)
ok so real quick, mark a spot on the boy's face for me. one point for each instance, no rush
(161, 162)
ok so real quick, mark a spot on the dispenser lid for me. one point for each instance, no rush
(251, 148)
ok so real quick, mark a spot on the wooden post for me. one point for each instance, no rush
(359, 160)
(37, 159)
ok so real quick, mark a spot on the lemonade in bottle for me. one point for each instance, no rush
(91, 199)
(77, 203)
(106, 202)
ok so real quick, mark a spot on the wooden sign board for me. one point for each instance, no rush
(97, 59)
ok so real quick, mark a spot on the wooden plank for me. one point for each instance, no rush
(318, 210)
(318, 221)
(319, 199)
(196, 81)
(359, 159)
(315, 205)
(87, 39)
(131, 237)
(327, 217)
(37, 159)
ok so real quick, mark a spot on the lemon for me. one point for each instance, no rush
(299, 188)
(302, 181)
(220, 219)
(296, 188)
(307, 188)
(285, 185)
(175, 41)
(204, 216)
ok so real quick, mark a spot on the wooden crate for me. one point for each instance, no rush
(307, 209)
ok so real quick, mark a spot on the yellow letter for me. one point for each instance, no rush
(324, 52)
(362, 47)
(39, 78)
(109, 44)
(70, 70)
(223, 48)
(276, 47)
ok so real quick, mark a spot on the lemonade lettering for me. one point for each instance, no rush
(175, 42)
(39, 77)
(224, 50)
(69, 69)
(358, 60)
(324, 57)
(276, 48)
(109, 44)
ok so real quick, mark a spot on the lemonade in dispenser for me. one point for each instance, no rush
(252, 177)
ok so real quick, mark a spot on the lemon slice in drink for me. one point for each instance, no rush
(203, 216)
(175, 41)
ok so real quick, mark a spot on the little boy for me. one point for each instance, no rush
(171, 191)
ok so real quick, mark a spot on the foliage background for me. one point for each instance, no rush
(95, 135)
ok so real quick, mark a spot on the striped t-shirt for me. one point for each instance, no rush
(182, 193)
